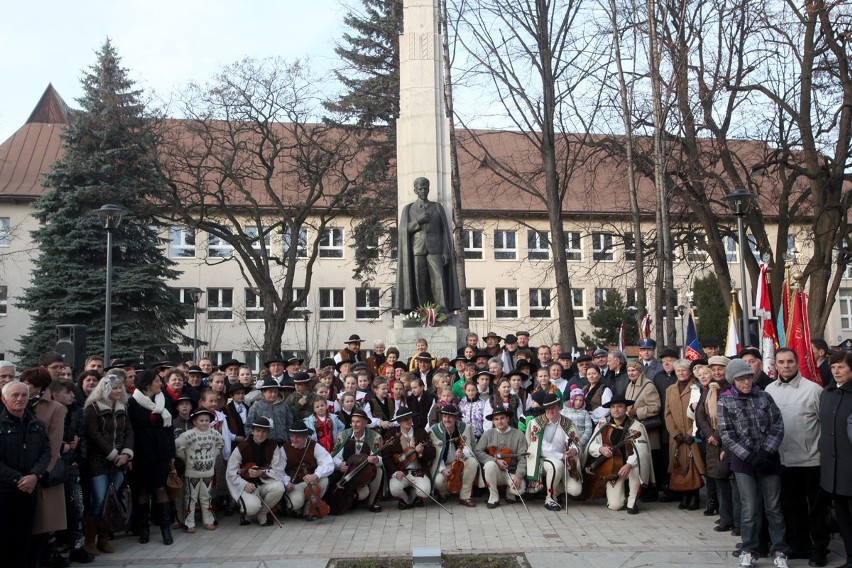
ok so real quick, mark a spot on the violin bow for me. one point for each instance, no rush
(269, 510)
(411, 483)
(518, 493)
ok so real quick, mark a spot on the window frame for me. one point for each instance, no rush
(539, 308)
(571, 251)
(331, 249)
(538, 252)
(5, 232)
(475, 311)
(501, 251)
(253, 302)
(578, 306)
(471, 251)
(181, 245)
(332, 307)
(218, 247)
(301, 245)
(605, 252)
(362, 293)
(4, 300)
(505, 296)
(221, 305)
(844, 303)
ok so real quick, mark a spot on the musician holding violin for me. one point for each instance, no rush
(357, 452)
(308, 467)
(553, 446)
(406, 460)
(618, 453)
(455, 468)
(256, 474)
(502, 450)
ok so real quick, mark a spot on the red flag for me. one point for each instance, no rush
(799, 338)
(621, 343)
(645, 327)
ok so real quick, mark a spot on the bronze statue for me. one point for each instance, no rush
(426, 269)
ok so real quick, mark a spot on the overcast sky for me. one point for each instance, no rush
(164, 44)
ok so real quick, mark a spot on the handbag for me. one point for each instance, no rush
(56, 476)
(173, 483)
(684, 478)
(117, 510)
(652, 423)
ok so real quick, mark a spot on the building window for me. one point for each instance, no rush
(847, 274)
(220, 303)
(631, 297)
(629, 247)
(257, 236)
(218, 248)
(752, 245)
(367, 304)
(674, 301)
(219, 357)
(331, 304)
(331, 243)
(254, 305)
(301, 246)
(5, 228)
(393, 243)
(540, 303)
(183, 296)
(181, 242)
(328, 353)
(300, 306)
(472, 239)
(602, 246)
(577, 302)
(696, 248)
(730, 249)
(254, 360)
(506, 302)
(601, 294)
(538, 245)
(4, 300)
(844, 298)
(573, 250)
(475, 303)
(505, 247)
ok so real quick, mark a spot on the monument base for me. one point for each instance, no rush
(444, 340)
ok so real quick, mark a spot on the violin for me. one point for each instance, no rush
(504, 454)
(409, 455)
(244, 472)
(454, 480)
(317, 508)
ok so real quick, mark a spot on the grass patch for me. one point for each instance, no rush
(447, 561)
(373, 563)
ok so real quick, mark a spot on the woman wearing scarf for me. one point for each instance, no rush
(154, 446)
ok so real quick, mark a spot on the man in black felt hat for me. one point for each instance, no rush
(255, 474)
(492, 344)
(424, 370)
(231, 368)
(635, 454)
(359, 440)
(510, 352)
(352, 351)
(406, 460)
(307, 462)
(453, 440)
(275, 366)
(498, 470)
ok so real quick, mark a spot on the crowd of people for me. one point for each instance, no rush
(499, 423)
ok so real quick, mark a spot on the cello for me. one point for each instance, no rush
(605, 469)
(360, 472)
(454, 480)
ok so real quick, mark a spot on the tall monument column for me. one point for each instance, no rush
(422, 130)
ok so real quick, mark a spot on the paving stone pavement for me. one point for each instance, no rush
(588, 535)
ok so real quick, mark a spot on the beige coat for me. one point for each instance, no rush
(50, 512)
(677, 422)
(646, 404)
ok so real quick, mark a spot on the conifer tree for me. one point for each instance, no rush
(108, 158)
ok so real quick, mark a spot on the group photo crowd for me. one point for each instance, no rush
(181, 445)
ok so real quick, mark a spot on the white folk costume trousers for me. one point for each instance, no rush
(372, 489)
(271, 492)
(494, 477)
(197, 492)
(296, 501)
(403, 490)
(471, 467)
(552, 471)
(615, 493)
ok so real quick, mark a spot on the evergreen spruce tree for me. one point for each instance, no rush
(711, 313)
(606, 321)
(109, 157)
(371, 103)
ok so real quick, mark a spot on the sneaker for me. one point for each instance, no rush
(780, 560)
(746, 560)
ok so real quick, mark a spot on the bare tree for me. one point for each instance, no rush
(248, 163)
(537, 61)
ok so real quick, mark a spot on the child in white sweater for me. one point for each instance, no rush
(199, 448)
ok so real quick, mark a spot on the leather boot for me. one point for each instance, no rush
(90, 533)
(694, 501)
(684, 501)
(712, 507)
(143, 519)
(103, 542)
(166, 522)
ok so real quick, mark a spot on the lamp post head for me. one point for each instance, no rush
(110, 216)
(738, 200)
(194, 294)
(306, 314)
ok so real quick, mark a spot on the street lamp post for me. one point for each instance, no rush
(195, 295)
(681, 309)
(739, 199)
(306, 314)
(110, 217)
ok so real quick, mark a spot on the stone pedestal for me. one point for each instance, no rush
(444, 340)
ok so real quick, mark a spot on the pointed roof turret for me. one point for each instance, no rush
(51, 109)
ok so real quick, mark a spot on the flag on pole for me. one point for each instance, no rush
(645, 327)
(621, 342)
(732, 342)
(783, 319)
(799, 338)
(762, 299)
(769, 336)
(691, 347)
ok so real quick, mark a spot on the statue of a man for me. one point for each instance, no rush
(426, 270)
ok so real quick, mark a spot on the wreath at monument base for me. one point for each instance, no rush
(427, 315)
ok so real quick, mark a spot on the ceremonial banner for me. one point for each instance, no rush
(732, 342)
(621, 345)
(691, 347)
(799, 338)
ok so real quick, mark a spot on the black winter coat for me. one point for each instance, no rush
(152, 443)
(24, 448)
(835, 441)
